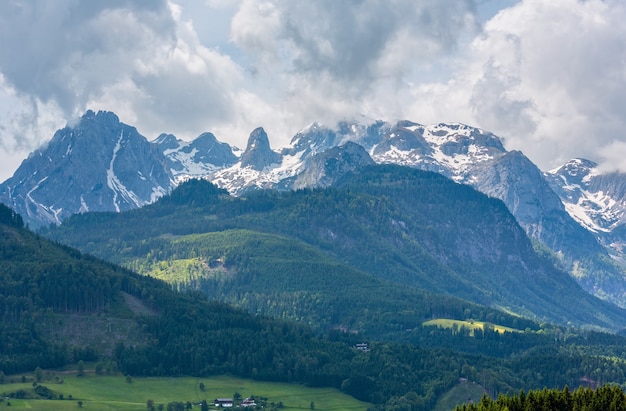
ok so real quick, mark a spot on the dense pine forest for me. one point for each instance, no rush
(602, 399)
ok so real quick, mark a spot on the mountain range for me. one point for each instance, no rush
(573, 213)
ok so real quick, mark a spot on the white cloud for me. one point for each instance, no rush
(179, 86)
(327, 60)
(27, 122)
(614, 156)
(255, 28)
(67, 50)
(572, 69)
(549, 77)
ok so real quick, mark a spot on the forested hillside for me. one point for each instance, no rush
(44, 286)
(402, 226)
(38, 278)
(286, 278)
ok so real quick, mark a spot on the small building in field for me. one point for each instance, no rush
(248, 402)
(223, 402)
(363, 347)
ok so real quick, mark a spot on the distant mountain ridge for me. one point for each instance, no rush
(200, 157)
(576, 219)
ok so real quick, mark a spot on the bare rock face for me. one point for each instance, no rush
(99, 164)
(258, 153)
(514, 179)
(596, 200)
(325, 168)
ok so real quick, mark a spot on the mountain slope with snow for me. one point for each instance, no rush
(596, 200)
(465, 154)
(197, 158)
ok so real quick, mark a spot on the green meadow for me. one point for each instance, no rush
(471, 325)
(117, 393)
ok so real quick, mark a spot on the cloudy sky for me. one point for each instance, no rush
(549, 77)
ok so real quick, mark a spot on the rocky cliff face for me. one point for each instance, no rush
(596, 200)
(514, 179)
(258, 153)
(325, 168)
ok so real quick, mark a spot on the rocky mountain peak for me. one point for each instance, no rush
(258, 153)
(167, 142)
(101, 116)
(404, 136)
(596, 200)
(207, 149)
(197, 158)
(97, 164)
(323, 169)
(575, 170)
(311, 140)
(455, 139)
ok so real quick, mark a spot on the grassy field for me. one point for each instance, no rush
(115, 393)
(469, 324)
(181, 270)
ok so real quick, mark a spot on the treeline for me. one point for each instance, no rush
(210, 339)
(185, 335)
(605, 398)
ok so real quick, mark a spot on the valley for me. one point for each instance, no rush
(384, 227)
(325, 205)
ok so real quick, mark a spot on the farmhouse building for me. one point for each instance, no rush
(223, 402)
